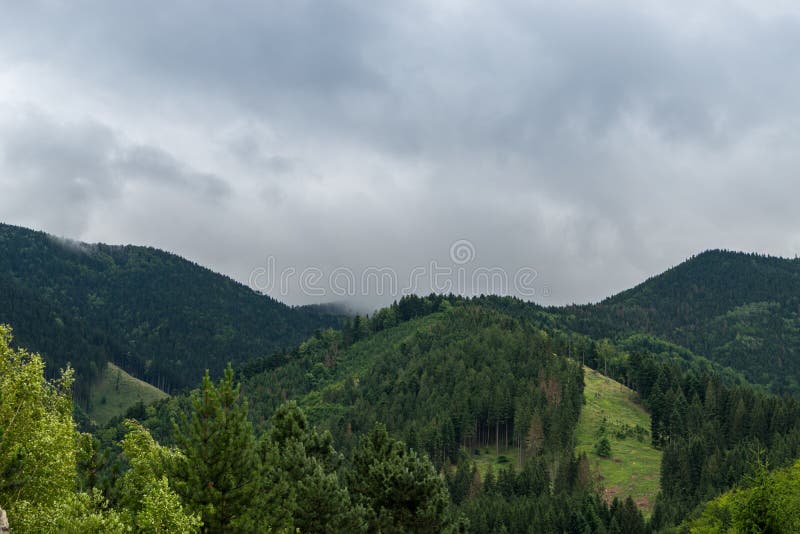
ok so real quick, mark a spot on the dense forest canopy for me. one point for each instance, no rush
(435, 412)
(161, 318)
(740, 310)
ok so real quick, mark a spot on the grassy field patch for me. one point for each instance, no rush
(116, 391)
(633, 465)
(488, 457)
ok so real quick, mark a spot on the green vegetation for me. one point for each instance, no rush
(768, 502)
(400, 489)
(740, 310)
(612, 413)
(159, 317)
(465, 377)
(37, 434)
(220, 478)
(487, 459)
(490, 412)
(116, 392)
(220, 474)
(39, 452)
(452, 377)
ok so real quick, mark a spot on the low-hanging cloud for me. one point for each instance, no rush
(596, 143)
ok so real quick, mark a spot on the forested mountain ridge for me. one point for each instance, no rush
(461, 379)
(158, 316)
(459, 376)
(737, 309)
(165, 319)
(49, 328)
(487, 397)
(487, 392)
(461, 382)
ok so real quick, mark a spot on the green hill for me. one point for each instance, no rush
(158, 316)
(116, 391)
(492, 389)
(464, 377)
(739, 310)
(632, 466)
(475, 387)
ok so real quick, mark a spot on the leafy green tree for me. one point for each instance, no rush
(769, 503)
(37, 434)
(87, 513)
(144, 489)
(219, 472)
(38, 451)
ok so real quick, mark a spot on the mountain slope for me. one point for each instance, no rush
(740, 310)
(45, 327)
(169, 318)
(461, 377)
(115, 392)
(633, 463)
(472, 386)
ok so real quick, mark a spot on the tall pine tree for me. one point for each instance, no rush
(221, 473)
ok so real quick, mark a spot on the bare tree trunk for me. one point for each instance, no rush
(4, 529)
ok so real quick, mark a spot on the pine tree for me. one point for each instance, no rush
(603, 447)
(401, 490)
(630, 518)
(221, 472)
(305, 492)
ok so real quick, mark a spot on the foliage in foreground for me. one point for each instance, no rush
(219, 478)
(769, 503)
(39, 447)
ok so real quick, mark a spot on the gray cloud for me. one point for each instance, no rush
(597, 143)
(55, 173)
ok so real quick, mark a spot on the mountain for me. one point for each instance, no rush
(156, 315)
(493, 392)
(456, 376)
(739, 310)
(165, 319)
(503, 399)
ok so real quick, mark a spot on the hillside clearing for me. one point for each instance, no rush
(116, 391)
(634, 464)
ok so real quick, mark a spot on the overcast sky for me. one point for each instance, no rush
(587, 145)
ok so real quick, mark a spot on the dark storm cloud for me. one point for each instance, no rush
(596, 142)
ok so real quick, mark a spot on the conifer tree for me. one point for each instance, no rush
(220, 475)
(300, 469)
(402, 491)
